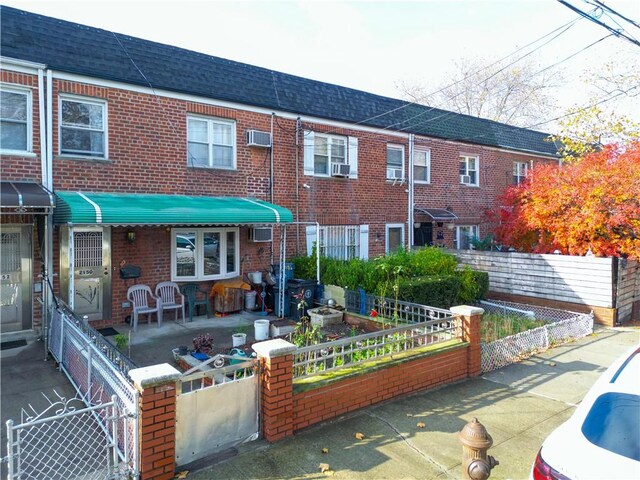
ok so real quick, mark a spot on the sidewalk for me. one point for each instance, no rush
(519, 405)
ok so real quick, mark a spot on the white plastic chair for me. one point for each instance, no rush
(139, 296)
(170, 298)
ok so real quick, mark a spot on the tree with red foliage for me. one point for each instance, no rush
(592, 204)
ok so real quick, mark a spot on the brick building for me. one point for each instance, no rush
(178, 163)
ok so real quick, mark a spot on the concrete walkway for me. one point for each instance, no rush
(519, 405)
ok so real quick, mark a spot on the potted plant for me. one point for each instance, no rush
(240, 337)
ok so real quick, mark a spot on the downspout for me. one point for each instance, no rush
(410, 195)
(271, 182)
(44, 178)
(297, 186)
(49, 145)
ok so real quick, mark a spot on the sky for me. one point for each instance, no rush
(367, 45)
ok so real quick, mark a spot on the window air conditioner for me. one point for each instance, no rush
(340, 169)
(465, 179)
(260, 234)
(394, 174)
(256, 138)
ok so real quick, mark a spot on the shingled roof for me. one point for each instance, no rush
(79, 49)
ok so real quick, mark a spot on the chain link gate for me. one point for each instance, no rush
(65, 441)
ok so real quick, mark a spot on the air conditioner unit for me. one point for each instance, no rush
(465, 179)
(340, 169)
(256, 138)
(394, 173)
(260, 234)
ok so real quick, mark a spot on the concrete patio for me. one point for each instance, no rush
(153, 343)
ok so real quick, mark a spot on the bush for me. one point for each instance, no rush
(436, 291)
(473, 285)
(430, 267)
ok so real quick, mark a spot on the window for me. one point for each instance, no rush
(211, 143)
(83, 127)
(421, 165)
(395, 162)
(394, 237)
(340, 242)
(469, 170)
(330, 155)
(464, 235)
(15, 120)
(204, 253)
(328, 150)
(519, 172)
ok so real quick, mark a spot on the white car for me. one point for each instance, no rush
(601, 440)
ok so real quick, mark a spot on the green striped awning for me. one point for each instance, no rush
(87, 208)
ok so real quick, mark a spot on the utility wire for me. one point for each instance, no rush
(448, 114)
(611, 10)
(563, 28)
(598, 22)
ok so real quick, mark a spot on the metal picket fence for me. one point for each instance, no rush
(97, 376)
(561, 326)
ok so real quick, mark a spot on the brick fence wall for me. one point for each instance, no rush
(285, 410)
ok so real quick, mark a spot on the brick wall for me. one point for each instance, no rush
(361, 391)
(287, 409)
(147, 153)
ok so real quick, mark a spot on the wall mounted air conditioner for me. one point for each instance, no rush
(260, 234)
(340, 169)
(256, 138)
(465, 179)
(394, 173)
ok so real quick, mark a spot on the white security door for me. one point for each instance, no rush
(15, 279)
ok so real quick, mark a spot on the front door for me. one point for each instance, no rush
(86, 256)
(423, 235)
(16, 279)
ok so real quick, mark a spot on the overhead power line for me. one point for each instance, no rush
(611, 10)
(616, 32)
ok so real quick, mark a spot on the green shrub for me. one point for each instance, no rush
(380, 275)
(473, 285)
(436, 291)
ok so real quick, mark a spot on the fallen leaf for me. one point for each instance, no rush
(359, 436)
(323, 467)
(552, 364)
(325, 450)
(420, 425)
(182, 475)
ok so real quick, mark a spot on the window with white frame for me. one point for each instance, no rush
(421, 165)
(341, 242)
(15, 120)
(330, 155)
(394, 237)
(211, 143)
(83, 127)
(519, 172)
(328, 149)
(204, 253)
(464, 235)
(469, 169)
(395, 162)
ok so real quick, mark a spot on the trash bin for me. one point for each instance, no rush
(300, 290)
(276, 301)
(288, 271)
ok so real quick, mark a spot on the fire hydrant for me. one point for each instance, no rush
(476, 464)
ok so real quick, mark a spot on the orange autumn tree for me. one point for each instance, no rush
(593, 204)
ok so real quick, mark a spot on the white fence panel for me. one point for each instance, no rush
(582, 280)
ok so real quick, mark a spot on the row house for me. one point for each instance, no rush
(144, 162)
